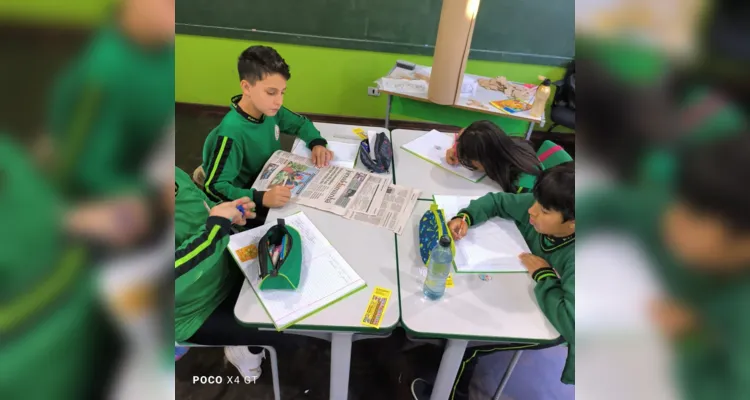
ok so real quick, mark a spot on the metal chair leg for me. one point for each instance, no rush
(506, 375)
(274, 372)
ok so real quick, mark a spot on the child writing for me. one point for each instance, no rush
(485, 147)
(235, 151)
(546, 218)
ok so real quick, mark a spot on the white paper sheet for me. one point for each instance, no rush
(432, 147)
(326, 277)
(493, 246)
(344, 154)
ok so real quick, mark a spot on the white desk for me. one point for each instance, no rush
(502, 309)
(415, 172)
(371, 252)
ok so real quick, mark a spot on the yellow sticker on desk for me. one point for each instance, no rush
(360, 132)
(376, 308)
(449, 281)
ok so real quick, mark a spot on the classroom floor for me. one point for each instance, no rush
(304, 372)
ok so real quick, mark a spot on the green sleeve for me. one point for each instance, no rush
(223, 168)
(200, 252)
(297, 125)
(556, 298)
(504, 205)
(89, 136)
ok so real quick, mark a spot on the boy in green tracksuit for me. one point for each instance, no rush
(546, 218)
(114, 103)
(697, 236)
(235, 151)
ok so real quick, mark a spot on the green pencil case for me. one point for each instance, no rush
(284, 273)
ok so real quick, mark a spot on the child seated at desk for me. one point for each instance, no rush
(235, 151)
(546, 218)
(208, 282)
(483, 146)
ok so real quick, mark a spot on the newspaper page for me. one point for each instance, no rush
(333, 189)
(395, 210)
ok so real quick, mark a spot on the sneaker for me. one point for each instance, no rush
(421, 389)
(247, 363)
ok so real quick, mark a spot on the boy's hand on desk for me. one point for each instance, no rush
(532, 262)
(277, 196)
(321, 156)
(458, 228)
(673, 319)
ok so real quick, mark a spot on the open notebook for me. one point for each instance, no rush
(326, 277)
(432, 146)
(344, 154)
(493, 246)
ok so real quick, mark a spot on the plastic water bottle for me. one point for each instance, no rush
(438, 269)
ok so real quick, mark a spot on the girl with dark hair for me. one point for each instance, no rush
(483, 146)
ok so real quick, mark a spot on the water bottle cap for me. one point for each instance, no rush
(445, 241)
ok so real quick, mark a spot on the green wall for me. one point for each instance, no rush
(324, 80)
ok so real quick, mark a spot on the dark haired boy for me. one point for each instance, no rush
(697, 236)
(547, 221)
(235, 151)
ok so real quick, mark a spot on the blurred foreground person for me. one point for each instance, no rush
(698, 237)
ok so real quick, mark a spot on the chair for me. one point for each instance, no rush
(274, 365)
(563, 111)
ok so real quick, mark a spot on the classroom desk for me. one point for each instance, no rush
(371, 252)
(415, 172)
(502, 309)
(479, 102)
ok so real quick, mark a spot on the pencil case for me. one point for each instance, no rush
(432, 227)
(284, 274)
(383, 153)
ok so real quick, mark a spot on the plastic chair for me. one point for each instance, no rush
(274, 365)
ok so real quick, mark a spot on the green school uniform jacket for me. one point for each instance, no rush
(48, 323)
(236, 150)
(109, 110)
(712, 363)
(204, 270)
(555, 287)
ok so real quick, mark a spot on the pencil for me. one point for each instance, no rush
(463, 217)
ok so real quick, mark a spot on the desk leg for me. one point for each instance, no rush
(506, 375)
(388, 111)
(449, 364)
(531, 129)
(341, 358)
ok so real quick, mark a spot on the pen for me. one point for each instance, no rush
(283, 248)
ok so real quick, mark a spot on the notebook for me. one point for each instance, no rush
(325, 278)
(344, 154)
(432, 146)
(491, 247)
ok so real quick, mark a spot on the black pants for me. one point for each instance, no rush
(222, 329)
(471, 358)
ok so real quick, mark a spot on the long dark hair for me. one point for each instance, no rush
(502, 158)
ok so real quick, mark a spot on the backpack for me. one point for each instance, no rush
(566, 93)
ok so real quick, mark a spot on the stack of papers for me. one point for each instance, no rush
(493, 246)
(326, 277)
(432, 146)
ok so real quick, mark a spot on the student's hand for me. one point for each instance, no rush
(450, 156)
(673, 319)
(321, 156)
(119, 222)
(458, 228)
(532, 262)
(228, 210)
(277, 196)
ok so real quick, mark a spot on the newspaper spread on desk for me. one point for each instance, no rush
(334, 189)
(395, 210)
